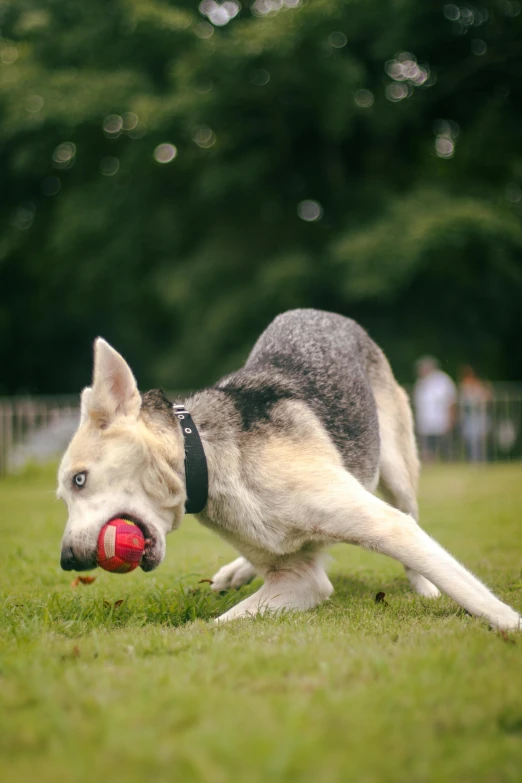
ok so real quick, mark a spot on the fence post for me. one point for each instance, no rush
(3, 468)
(6, 436)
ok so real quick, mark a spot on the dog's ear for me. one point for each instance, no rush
(85, 403)
(114, 392)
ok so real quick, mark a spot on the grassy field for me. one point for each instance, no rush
(150, 689)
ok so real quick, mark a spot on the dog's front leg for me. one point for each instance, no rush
(349, 513)
(298, 583)
(233, 575)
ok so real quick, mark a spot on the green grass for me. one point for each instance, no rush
(409, 690)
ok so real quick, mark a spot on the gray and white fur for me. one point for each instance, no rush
(297, 442)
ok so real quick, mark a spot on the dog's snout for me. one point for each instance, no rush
(69, 561)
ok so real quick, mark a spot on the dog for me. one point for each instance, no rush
(295, 443)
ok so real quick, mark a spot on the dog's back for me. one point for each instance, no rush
(326, 360)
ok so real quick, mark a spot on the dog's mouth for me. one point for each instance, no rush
(151, 557)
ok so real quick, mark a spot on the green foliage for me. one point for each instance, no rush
(182, 263)
(128, 679)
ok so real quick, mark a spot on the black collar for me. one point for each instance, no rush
(196, 471)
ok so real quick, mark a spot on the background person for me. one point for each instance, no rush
(435, 397)
(474, 396)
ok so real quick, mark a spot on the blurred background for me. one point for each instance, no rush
(176, 174)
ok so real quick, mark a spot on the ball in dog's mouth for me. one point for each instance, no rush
(151, 556)
(120, 548)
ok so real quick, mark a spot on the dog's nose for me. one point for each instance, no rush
(69, 561)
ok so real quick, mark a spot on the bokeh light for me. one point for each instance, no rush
(309, 210)
(63, 155)
(109, 166)
(364, 98)
(446, 133)
(219, 14)
(129, 120)
(23, 217)
(465, 16)
(337, 40)
(34, 103)
(138, 132)
(113, 124)
(397, 92)
(511, 8)
(51, 186)
(266, 7)
(164, 153)
(444, 147)
(404, 68)
(407, 74)
(478, 47)
(204, 137)
(204, 30)
(451, 12)
(260, 77)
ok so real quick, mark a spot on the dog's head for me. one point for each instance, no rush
(125, 460)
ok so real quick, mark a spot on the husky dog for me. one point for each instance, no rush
(296, 443)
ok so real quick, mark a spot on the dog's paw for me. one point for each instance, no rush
(230, 577)
(421, 585)
(506, 619)
(233, 615)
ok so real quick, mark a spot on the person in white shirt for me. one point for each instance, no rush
(435, 398)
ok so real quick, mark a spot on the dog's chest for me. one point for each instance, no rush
(242, 521)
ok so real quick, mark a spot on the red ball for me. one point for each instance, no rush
(120, 546)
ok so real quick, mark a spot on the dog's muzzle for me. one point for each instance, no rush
(70, 562)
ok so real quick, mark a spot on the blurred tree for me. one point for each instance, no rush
(174, 176)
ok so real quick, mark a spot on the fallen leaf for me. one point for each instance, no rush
(83, 580)
(87, 580)
(205, 580)
(505, 638)
(118, 603)
(379, 598)
(76, 651)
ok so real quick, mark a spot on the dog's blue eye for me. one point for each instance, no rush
(79, 480)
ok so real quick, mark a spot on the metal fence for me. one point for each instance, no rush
(39, 428)
(482, 431)
(35, 428)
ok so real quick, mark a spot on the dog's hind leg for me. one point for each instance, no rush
(233, 575)
(298, 582)
(399, 464)
(344, 511)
